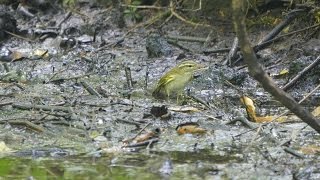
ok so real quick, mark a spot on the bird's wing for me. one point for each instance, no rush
(165, 80)
(160, 91)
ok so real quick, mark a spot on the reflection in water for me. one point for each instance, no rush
(127, 165)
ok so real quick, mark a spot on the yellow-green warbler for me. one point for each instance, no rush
(175, 80)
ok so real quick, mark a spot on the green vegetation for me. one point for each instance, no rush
(132, 12)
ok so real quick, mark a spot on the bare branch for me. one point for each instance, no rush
(260, 75)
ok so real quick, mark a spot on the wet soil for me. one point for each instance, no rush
(77, 133)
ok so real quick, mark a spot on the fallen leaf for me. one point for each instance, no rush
(161, 112)
(286, 29)
(4, 148)
(264, 119)
(94, 134)
(282, 73)
(316, 111)
(149, 135)
(250, 108)
(184, 109)
(41, 53)
(310, 149)
(190, 128)
(16, 55)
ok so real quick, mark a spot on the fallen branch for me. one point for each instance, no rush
(175, 43)
(265, 44)
(293, 152)
(143, 7)
(262, 45)
(186, 38)
(90, 89)
(24, 122)
(301, 73)
(282, 114)
(289, 18)
(233, 52)
(260, 75)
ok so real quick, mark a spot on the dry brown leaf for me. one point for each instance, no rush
(16, 55)
(283, 73)
(40, 53)
(94, 134)
(310, 149)
(188, 109)
(4, 148)
(270, 118)
(264, 119)
(149, 135)
(282, 119)
(316, 111)
(250, 108)
(190, 128)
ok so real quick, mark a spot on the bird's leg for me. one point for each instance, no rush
(168, 95)
(180, 97)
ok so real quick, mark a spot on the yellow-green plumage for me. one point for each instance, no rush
(175, 80)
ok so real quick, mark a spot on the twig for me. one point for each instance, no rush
(174, 13)
(68, 15)
(293, 152)
(130, 139)
(261, 76)
(289, 18)
(144, 143)
(240, 91)
(141, 130)
(6, 67)
(18, 36)
(55, 74)
(128, 77)
(201, 101)
(261, 45)
(303, 99)
(23, 10)
(199, 8)
(146, 79)
(208, 39)
(301, 73)
(6, 103)
(40, 107)
(167, 20)
(90, 89)
(67, 78)
(156, 18)
(186, 38)
(179, 45)
(147, 23)
(129, 122)
(26, 123)
(282, 114)
(233, 52)
(187, 21)
(143, 7)
(265, 44)
(222, 50)
(244, 121)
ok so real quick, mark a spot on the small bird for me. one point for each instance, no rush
(175, 80)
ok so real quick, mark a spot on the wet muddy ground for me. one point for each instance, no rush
(70, 110)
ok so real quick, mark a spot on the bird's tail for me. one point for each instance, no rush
(159, 93)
